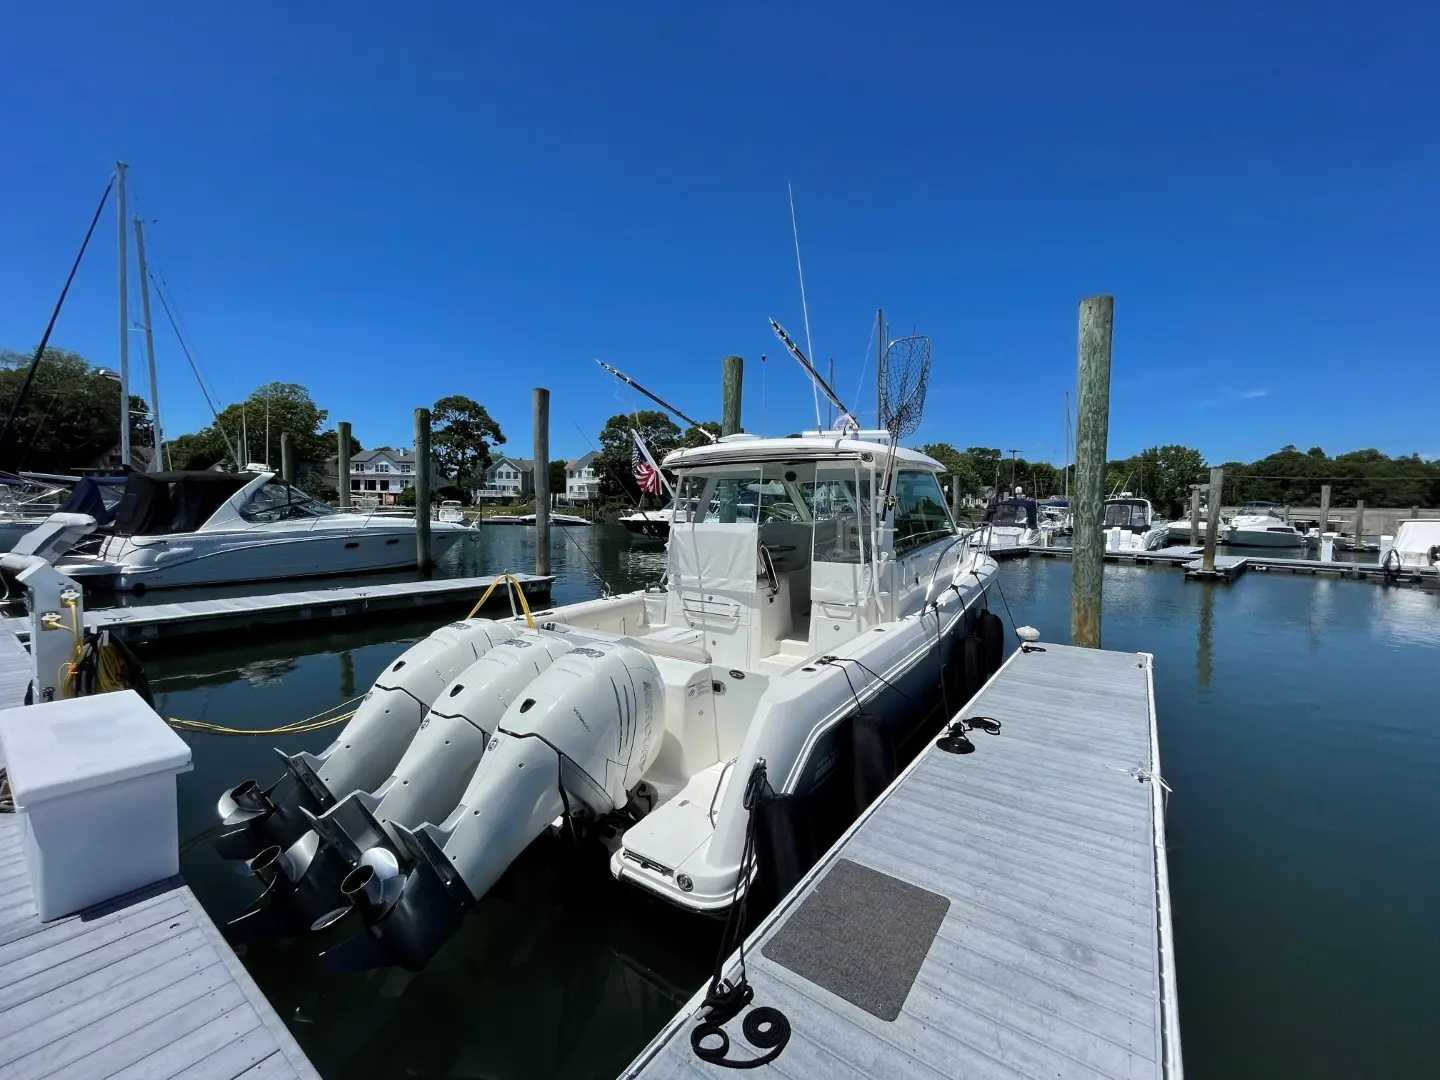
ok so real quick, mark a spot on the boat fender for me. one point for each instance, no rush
(991, 633)
(872, 753)
(965, 672)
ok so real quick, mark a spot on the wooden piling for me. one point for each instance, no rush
(1092, 431)
(1194, 513)
(1324, 510)
(732, 378)
(422, 490)
(954, 497)
(287, 458)
(1212, 519)
(1360, 523)
(342, 464)
(541, 407)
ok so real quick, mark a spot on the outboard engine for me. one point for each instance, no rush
(368, 747)
(430, 778)
(579, 740)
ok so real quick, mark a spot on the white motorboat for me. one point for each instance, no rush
(451, 512)
(555, 519)
(1130, 524)
(816, 615)
(1416, 547)
(177, 529)
(1261, 524)
(1056, 518)
(1010, 523)
(655, 524)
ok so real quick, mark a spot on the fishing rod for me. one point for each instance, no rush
(658, 401)
(816, 380)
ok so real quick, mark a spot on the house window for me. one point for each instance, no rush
(384, 485)
(407, 468)
(358, 467)
(369, 485)
(354, 485)
(382, 467)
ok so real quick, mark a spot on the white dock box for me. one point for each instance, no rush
(94, 782)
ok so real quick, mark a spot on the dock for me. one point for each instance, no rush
(144, 986)
(1001, 913)
(1230, 567)
(151, 622)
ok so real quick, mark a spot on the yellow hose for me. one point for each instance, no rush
(516, 588)
(297, 727)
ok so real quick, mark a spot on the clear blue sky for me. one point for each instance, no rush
(393, 202)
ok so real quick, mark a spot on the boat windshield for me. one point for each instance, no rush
(1125, 515)
(278, 501)
(1012, 512)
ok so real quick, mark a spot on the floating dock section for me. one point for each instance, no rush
(152, 622)
(1000, 913)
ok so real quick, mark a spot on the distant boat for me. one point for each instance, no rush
(450, 511)
(1010, 523)
(655, 524)
(1130, 524)
(1262, 524)
(555, 519)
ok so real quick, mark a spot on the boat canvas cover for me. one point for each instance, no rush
(173, 502)
(89, 497)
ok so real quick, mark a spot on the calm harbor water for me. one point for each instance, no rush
(1299, 728)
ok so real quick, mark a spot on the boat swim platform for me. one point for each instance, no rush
(142, 986)
(1002, 913)
(151, 622)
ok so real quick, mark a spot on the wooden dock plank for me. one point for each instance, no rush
(1054, 957)
(142, 988)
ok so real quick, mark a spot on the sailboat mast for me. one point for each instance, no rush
(1067, 444)
(157, 463)
(120, 168)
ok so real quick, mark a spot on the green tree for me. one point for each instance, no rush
(615, 464)
(695, 434)
(1162, 474)
(958, 469)
(462, 432)
(557, 477)
(71, 416)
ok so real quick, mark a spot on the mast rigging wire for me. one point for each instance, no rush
(19, 402)
(804, 307)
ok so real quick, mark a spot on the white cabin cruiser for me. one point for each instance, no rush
(656, 524)
(816, 615)
(1010, 523)
(1130, 524)
(451, 511)
(177, 529)
(1261, 524)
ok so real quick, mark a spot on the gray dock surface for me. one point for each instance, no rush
(147, 622)
(144, 987)
(1039, 860)
(14, 672)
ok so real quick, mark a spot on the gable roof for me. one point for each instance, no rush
(581, 462)
(519, 463)
(396, 456)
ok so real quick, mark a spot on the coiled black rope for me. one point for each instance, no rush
(765, 1028)
(955, 741)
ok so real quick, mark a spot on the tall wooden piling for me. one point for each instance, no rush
(954, 497)
(541, 406)
(732, 376)
(342, 464)
(1194, 513)
(1324, 509)
(1212, 519)
(422, 490)
(1360, 523)
(287, 458)
(1092, 431)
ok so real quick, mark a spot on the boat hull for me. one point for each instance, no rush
(1263, 538)
(198, 559)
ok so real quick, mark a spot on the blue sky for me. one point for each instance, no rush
(390, 203)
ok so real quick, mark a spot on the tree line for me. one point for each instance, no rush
(1165, 475)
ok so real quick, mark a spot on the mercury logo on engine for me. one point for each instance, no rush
(519, 643)
(595, 654)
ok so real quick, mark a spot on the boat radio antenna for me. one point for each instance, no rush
(847, 418)
(658, 401)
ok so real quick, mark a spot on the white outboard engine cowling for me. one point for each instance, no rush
(369, 746)
(580, 738)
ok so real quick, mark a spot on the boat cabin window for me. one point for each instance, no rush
(838, 501)
(278, 501)
(1125, 515)
(740, 497)
(920, 512)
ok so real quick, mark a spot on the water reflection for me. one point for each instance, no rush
(1296, 726)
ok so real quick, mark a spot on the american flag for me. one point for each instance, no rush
(647, 473)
